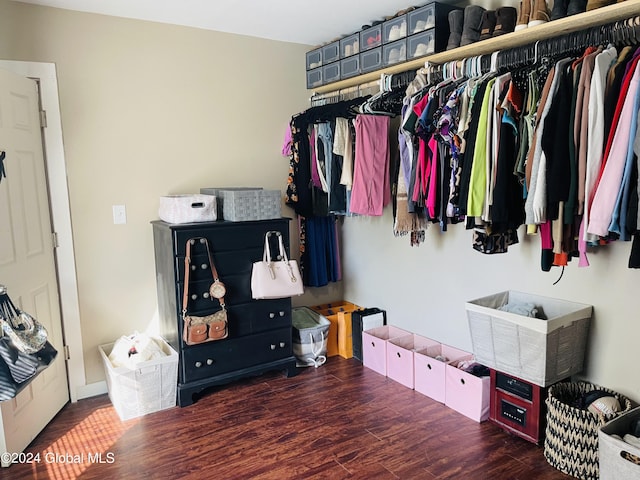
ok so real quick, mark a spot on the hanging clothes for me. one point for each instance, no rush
(300, 194)
(603, 62)
(320, 255)
(615, 159)
(546, 138)
(370, 192)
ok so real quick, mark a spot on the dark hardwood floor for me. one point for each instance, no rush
(338, 421)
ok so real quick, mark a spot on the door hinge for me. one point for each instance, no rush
(67, 354)
(54, 235)
(43, 118)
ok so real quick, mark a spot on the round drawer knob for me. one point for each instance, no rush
(205, 295)
(204, 266)
(209, 361)
(202, 240)
(194, 297)
(193, 268)
(272, 315)
(281, 313)
(273, 347)
(198, 364)
(282, 344)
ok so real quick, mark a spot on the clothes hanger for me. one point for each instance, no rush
(494, 61)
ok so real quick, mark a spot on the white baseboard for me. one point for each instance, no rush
(92, 390)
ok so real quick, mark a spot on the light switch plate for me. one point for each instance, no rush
(119, 215)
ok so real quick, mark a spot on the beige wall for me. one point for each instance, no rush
(424, 289)
(151, 109)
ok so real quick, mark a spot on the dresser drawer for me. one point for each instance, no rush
(230, 236)
(223, 356)
(227, 263)
(238, 291)
(245, 317)
(264, 314)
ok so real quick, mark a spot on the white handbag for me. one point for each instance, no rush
(275, 279)
(190, 208)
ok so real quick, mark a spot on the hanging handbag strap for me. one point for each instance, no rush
(266, 256)
(187, 270)
(8, 311)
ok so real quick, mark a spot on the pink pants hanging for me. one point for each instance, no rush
(370, 192)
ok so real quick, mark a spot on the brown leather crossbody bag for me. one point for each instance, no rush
(200, 329)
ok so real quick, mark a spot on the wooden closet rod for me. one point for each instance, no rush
(354, 91)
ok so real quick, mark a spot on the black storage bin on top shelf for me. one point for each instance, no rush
(431, 18)
(417, 33)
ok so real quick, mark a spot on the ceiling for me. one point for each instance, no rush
(296, 21)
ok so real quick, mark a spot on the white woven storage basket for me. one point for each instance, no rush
(190, 208)
(148, 388)
(533, 349)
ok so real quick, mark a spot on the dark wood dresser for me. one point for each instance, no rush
(260, 331)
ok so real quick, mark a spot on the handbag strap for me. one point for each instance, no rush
(266, 256)
(187, 270)
(8, 311)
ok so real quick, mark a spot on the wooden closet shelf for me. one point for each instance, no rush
(600, 16)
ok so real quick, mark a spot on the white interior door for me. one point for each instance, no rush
(27, 263)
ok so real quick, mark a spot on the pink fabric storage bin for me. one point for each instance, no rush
(400, 361)
(429, 373)
(374, 346)
(467, 393)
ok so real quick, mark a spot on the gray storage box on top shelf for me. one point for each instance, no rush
(314, 59)
(541, 351)
(241, 204)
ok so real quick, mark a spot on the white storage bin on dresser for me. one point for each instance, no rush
(430, 373)
(400, 361)
(467, 393)
(374, 346)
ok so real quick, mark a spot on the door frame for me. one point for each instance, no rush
(55, 165)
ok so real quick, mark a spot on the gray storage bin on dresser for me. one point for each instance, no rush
(240, 204)
(260, 331)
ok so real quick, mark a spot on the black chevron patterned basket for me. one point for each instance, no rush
(571, 437)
